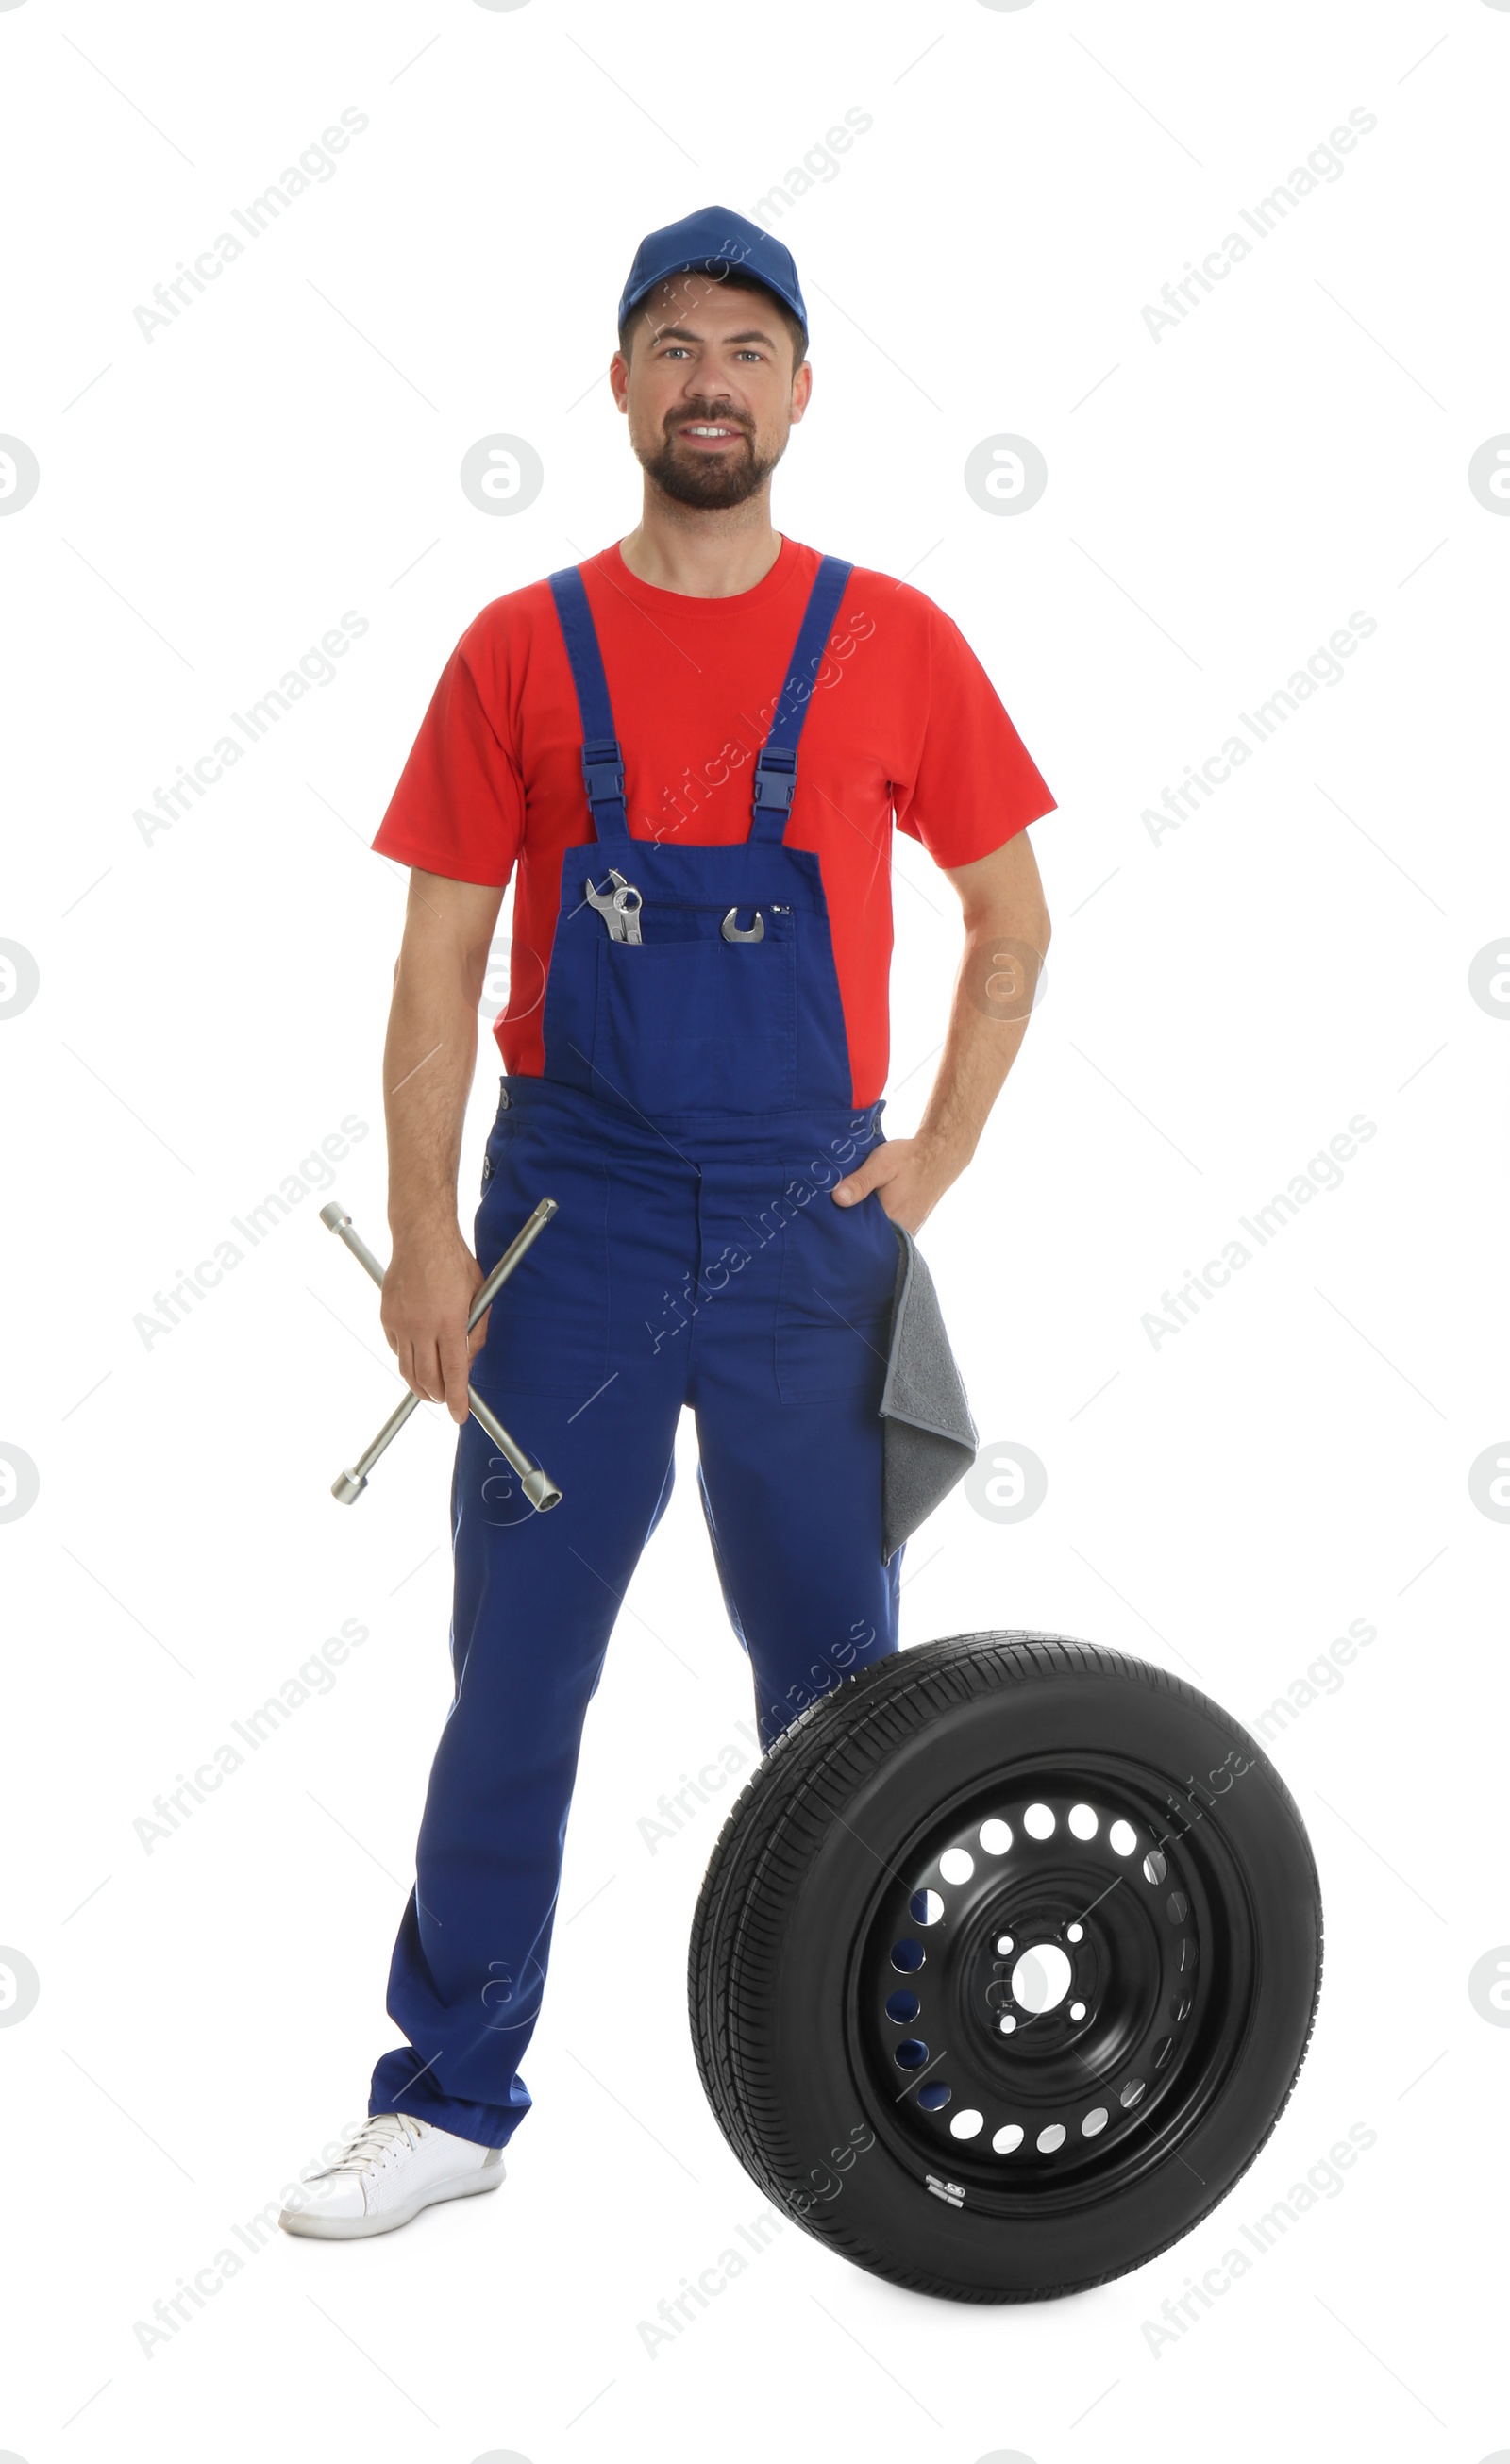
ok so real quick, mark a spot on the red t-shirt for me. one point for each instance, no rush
(904, 723)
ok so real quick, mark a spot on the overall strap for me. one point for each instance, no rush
(775, 769)
(602, 761)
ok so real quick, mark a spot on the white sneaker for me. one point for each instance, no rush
(394, 2166)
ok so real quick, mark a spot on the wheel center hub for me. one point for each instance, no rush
(1036, 1970)
(1042, 1978)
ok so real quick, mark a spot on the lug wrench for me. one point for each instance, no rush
(536, 1484)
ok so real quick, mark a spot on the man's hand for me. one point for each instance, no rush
(427, 1294)
(910, 1174)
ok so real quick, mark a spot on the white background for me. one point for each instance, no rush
(1220, 1003)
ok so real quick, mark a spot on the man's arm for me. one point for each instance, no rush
(427, 1065)
(1006, 936)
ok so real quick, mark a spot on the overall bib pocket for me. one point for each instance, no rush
(690, 1021)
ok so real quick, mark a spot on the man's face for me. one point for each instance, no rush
(708, 389)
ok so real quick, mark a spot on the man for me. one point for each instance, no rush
(688, 752)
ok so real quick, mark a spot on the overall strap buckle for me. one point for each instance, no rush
(776, 779)
(602, 771)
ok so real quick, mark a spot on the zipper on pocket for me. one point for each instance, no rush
(656, 912)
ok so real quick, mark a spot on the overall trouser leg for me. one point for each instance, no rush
(786, 1385)
(535, 1602)
(535, 1599)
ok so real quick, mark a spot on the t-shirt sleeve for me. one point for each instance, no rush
(458, 808)
(975, 784)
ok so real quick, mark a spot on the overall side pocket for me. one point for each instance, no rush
(548, 1329)
(833, 1323)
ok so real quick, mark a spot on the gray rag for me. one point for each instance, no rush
(930, 1440)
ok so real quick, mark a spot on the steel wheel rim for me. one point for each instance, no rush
(1164, 1974)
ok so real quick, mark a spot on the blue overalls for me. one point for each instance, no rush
(692, 1118)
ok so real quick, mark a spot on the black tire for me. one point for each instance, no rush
(1195, 1972)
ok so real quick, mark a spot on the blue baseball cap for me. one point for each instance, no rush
(715, 242)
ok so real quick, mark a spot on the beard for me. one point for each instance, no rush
(709, 480)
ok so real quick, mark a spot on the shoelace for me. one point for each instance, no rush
(379, 2134)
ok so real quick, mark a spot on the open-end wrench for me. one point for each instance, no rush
(619, 905)
(536, 1484)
